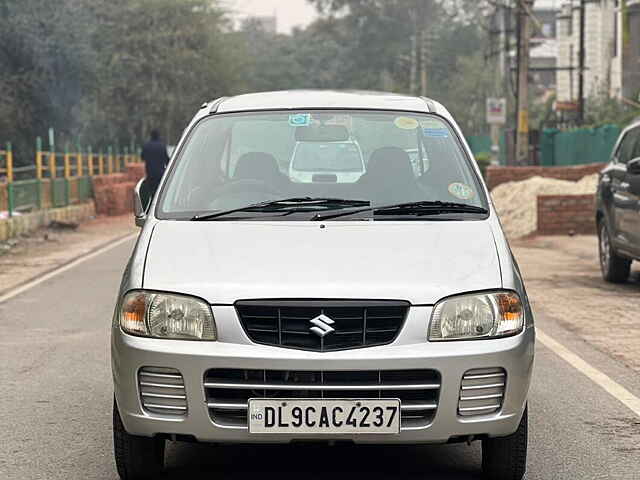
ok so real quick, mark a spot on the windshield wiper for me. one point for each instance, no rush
(412, 208)
(305, 204)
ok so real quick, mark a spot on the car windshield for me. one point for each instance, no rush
(327, 157)
(232, 161)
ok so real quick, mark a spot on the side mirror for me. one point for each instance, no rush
(140, 203)
(633, 167)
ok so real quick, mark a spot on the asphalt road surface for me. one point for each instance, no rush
(56, 395)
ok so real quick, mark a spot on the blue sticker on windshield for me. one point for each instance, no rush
(300, 120)
(436, 132)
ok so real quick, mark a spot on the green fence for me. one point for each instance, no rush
(577, 147)
(482, 144)
(55, 179)
(24, 195)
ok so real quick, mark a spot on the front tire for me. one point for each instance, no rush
(615, 269)
(137, 458)
(506, 458)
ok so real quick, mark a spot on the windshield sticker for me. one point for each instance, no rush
(461, 191)
(300, 120)
(436, 132)
(431, 123)
(406, 123)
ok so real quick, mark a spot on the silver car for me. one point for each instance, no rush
(382, 309)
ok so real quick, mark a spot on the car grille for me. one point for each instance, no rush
(355, 324)
(162, 391)
(228, 390)
(482, 391)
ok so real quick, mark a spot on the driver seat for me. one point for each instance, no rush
(260, 166)
(389, 178)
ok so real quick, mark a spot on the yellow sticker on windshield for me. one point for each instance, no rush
(406, 123)
(461, 191)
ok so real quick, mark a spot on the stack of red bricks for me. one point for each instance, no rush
(566, 214)
(114, 193)
(499, 175)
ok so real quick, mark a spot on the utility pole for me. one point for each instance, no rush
(425, 47)
(414, 63)
(423, 62)
(524, 37)
(581, 60)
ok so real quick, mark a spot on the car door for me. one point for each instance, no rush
(632, 184)
(624, 204)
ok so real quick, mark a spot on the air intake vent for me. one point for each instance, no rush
(229, 390)
(162, 391)
(482, 391)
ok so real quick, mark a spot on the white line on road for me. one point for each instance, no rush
(12, 293)
(610, 386)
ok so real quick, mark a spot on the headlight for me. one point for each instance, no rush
(163, 315)
(476, 316)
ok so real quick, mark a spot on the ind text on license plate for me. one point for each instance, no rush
(293, 416)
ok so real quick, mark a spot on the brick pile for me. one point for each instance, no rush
(566, 214)
(499, 175)
(114, 193)
(518, 205)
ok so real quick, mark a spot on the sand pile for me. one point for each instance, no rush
(516, 202)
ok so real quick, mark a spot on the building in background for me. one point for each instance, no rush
(612, 50)
(544, 50)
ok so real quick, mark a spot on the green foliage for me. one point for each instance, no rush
(106, 72)
(109, 71)
(603, 110)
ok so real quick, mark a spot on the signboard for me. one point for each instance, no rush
(566, 106)
(496, 111)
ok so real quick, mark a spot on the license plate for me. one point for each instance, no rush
(293, 416)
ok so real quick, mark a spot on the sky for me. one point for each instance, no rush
(290, 13)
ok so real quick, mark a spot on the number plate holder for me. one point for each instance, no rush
(324, 416)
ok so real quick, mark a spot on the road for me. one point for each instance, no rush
(55, 405)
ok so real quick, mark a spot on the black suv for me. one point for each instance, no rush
(618, 208)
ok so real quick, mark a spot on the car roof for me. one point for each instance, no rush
(321, 99)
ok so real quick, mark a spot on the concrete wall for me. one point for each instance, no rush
(24, 224)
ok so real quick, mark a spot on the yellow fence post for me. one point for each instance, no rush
(79, 164)
(67, 162)
(101, 163)
(39, 158)
(9, 154)
(110, 159)
(52, 164)
(90, 161)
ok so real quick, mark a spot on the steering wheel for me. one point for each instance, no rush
(246, 191)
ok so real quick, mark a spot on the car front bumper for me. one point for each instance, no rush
(451, 359)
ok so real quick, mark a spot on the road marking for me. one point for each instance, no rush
(68, 266)
(609, 385)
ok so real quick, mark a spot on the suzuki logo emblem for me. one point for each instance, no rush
(322, 325)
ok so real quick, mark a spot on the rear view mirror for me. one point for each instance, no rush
(140, 202)
(633, 167)
(322, 133)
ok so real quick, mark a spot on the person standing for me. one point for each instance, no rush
(154, 154)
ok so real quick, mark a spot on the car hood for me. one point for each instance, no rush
(420, 262)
